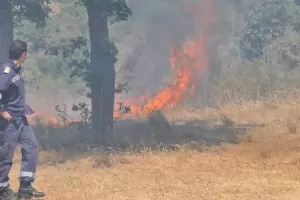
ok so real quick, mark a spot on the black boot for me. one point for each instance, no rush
(28, 192)
(6, 194)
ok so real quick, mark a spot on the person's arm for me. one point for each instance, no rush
(5, 82)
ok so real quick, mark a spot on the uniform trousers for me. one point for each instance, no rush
(17, 131)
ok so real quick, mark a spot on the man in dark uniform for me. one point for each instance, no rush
(14, 127)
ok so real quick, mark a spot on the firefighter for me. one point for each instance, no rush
(14, 127)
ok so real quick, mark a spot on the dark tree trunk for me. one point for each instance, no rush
(6, 29)
(103, 74)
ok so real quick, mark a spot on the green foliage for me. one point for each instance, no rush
(266, 21)
(35, 11)
(70, 47)
(85, 112)
(116, 10)
(75, 53)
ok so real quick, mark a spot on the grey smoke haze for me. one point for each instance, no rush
(143, 52)
(148, 64)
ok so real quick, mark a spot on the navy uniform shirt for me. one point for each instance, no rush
(12, 90)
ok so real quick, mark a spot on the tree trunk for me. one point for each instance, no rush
(103, 74)
(6, 29)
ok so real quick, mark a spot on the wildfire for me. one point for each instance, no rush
(167, 97)
(42, 118)
(186, 60)
(171, 95)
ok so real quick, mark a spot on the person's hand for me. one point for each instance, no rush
(5, 115)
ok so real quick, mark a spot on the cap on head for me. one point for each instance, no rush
(17, 49)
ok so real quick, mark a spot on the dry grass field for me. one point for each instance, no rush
(264, 164)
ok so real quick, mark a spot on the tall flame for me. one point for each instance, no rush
(186, 60)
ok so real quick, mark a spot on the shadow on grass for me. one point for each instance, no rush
(135, 136)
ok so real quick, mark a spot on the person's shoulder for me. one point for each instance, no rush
(6, 68)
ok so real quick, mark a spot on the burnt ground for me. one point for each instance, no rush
(158, 131)
(154, 132)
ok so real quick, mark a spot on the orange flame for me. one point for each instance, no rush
(187, 61)
(42, 118)
(167, 97)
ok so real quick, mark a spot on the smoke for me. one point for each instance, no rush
(147, 61)
(147, 67)
(186, 28)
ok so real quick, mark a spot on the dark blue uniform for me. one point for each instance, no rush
(18, 130)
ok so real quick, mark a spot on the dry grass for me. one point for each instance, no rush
(265, 165)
